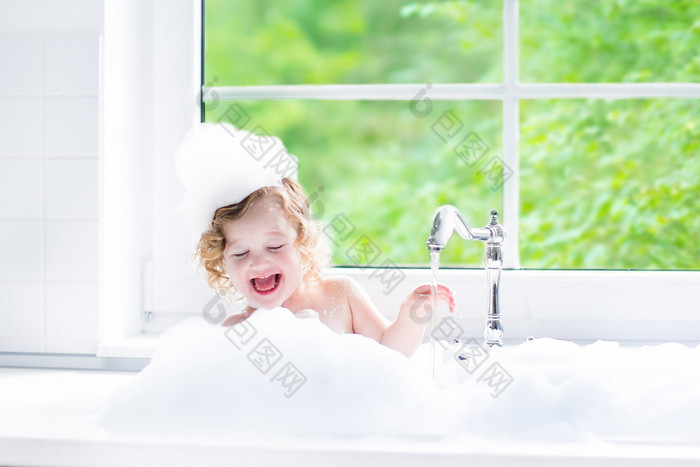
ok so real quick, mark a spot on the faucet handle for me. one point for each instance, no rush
(498, 234)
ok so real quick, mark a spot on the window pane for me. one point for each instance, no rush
(582, 41)
(610, 184)
(273, 42)
(377, 170)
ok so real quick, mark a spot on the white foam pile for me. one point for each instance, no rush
(561, 390)
(280, 374)
(274, 374)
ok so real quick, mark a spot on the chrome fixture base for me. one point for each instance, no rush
(448, 220)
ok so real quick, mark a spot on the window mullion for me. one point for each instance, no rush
(511, 127)
(462, 91)
(608, 90)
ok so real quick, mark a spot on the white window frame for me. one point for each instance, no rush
(151, 62)
(630, 306)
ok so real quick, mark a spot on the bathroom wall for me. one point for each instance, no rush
(49, 107)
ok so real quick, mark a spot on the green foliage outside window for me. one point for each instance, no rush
(604, 184)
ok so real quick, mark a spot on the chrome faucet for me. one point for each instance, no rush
(447, 220)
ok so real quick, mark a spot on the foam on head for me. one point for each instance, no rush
(219, 165)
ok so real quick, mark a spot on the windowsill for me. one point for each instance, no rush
(581, 306)
(138, 346)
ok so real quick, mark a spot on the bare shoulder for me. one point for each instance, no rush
(352, 290)
(366, 319)
(342, 285)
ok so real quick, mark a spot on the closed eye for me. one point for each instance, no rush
(275, 248)
(240, 255)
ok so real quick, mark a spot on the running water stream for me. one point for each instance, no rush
(434, 267)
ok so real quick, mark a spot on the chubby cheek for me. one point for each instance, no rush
(293, 265)
(233, 273)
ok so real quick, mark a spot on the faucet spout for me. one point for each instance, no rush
(448, 220)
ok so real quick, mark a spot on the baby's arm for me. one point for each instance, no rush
(406, 332)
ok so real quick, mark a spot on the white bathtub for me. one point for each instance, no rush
(44, 421)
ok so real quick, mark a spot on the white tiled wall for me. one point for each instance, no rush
(49, 79)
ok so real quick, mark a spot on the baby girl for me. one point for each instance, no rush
(263, 243)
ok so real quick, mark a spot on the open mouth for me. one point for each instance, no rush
(266, 284)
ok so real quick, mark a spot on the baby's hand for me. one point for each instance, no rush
(238, 317)
(445, 295)
(418, 303)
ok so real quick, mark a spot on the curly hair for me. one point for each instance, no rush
(294, 204)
